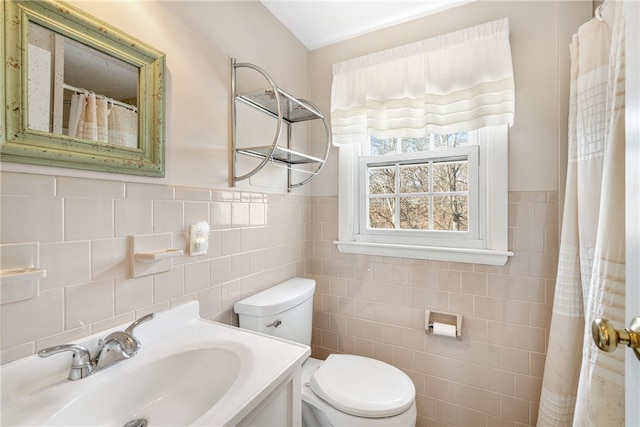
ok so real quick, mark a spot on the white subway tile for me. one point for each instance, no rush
(240, 214)
(135, 190)
(67, 263)
(86, 219)
(88, 303)
(133, 294)
(210, 301)
(29, 320)
(133, 217)
(24, 184)
(168, 285)
(168, 216)
(197, 276)
(220, 215)
(194, 212)
(192, 194)
(30, 219)
(91, 188)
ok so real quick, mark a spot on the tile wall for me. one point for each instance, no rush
(83, 225)
(374, 306)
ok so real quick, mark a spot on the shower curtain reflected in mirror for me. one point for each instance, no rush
(88, 117)
(96, 118)
(582, 385)
(123, 126)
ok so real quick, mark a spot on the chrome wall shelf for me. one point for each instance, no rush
(288, 110)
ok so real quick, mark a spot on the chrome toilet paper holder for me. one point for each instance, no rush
(434, 319)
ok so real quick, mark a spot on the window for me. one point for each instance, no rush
(420, 186)
(441, 197)
(422, 137)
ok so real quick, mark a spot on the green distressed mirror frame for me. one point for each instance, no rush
(23, 145)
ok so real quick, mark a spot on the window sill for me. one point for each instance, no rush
(474, 256)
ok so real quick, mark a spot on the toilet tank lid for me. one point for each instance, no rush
(277, 299)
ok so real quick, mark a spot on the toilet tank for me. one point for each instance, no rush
(284, 310)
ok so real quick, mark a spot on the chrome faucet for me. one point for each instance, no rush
(113, 348)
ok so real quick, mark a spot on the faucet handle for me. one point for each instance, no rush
(81, 364)
(132, 326)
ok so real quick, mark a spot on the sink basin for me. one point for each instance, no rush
(189, 371)
(171, 391)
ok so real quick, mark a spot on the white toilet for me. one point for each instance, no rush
(344, 390)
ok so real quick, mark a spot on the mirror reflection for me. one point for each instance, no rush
(78, 91)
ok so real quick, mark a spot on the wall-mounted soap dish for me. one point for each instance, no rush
(159, 255)
(15, 275)
(20, 273)
(19, 284)
(152, 253)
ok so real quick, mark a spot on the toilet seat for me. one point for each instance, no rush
(362, 386)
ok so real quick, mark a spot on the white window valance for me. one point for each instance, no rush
(451, 83)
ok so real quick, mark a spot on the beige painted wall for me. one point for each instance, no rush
(199, 38)
(540, 36)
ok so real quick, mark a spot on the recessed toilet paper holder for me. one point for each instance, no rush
(443, 323)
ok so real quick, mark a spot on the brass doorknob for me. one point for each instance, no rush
(607, 337)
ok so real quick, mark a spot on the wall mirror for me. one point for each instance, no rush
(79, 93)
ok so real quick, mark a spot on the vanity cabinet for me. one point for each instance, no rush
(282, 407)
(287, 110)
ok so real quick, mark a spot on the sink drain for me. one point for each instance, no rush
(140, 422)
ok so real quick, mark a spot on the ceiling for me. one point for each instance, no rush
(318, 23)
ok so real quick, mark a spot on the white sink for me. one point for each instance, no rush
(189, 371)
(171, 391)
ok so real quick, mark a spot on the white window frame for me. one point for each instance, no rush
(437, 238)
(488, 246)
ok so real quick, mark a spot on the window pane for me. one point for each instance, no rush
(380, 147)
(453, 140)
(450, 176)
(414, 213)
(451, 213)
(414, 178)
(382, 180)
(382, 212)
(414, 145)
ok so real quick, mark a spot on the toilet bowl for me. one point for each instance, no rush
(385, 399)
(343, 390)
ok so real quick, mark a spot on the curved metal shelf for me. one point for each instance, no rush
(281, 154)
(293, 110)
(286, 109)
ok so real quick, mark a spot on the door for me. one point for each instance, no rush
(632, 289)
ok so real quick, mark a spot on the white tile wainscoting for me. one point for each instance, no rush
(373, 306)
(83, 225)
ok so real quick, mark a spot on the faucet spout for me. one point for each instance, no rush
(119, 345)
(115, 347)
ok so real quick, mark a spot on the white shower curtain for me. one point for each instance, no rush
(123, 126)
(583, 385)
(88, 117)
